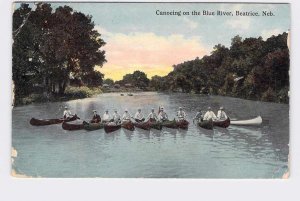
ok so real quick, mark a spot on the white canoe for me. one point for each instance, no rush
(250, 122)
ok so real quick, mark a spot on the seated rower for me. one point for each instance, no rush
(139, 117)
(181, 114)
(126, 116)
(67, 113)
(199, 116)
(221, 114)
(162, 116)
(96, 117)
(152, 117)
(116, 117)
(209, 115)
(106, 117)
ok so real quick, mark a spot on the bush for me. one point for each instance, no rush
(269, 95)
(81, 92)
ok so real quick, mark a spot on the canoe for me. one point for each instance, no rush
(170, 124)
(222, 123)
(111, 127)
(92, 126)
(155, 125)
(142, 125)
(250, 122)
(72, 126)
(206, 124)
(128, 125)
(183, 124)
(45, 122)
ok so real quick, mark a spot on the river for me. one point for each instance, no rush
(236, 152)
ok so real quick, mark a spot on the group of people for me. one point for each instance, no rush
(210, 115)
(152, 116)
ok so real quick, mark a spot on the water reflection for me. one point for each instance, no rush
(236, 152)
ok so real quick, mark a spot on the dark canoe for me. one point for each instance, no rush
(155, 125)
(224, 124)
(142, 125)
(170, 124)
(111, 127)
(128, 125)
(45, 122)
(183, 124)
(72, 126)
(206, 124)
(92, 126)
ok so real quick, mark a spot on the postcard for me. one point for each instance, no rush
(150, 90)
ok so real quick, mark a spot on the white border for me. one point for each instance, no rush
(144, 189)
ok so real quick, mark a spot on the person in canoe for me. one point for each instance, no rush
(199, 116)
(209, 115)
(162, 116)
(152, 117)
(139, 117)
(96, 117)
(106, 117)
(116, 117)
(67, 113)
(181, 114)
(126, 116)
(221, 114)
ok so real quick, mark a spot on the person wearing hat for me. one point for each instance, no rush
(209, 115)
(96, 117)
(67, 113)
(162, 116)
(126, 116)
(139, 117)
(199, 116)
(181, 114)
(221, 114)
(152, 117)
(116, 117)
(106, 117)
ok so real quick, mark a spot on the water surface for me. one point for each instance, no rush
(236, 152)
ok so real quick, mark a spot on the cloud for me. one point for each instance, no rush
(146, 51)
(268, 33)
(241, 23)
(190, 23)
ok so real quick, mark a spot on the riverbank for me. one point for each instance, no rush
(71, 93)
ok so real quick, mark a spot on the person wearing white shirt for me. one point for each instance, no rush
(162, 116)
(152, 117)
(106, 117)
(181, 114)
(221, 114)
(67, 113)
(116, 117)
(209, 115)
(126, 116)
(139, 117)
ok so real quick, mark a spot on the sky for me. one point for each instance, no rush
(139, 39)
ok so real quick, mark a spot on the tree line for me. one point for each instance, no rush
(52, 47)
(250, 68)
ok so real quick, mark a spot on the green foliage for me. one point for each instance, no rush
(251, 68)
(137, 78)
(108, 81)
(52, 46)
(81, 92)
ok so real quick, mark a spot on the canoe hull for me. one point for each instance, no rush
(93, 126)
(183, 124)
(170, 124)
(109, 128)
(128, 125)
(72, 127)
(250, 122)
(46, 122)
(142, 125)
(206, 124)
(223, 124)
(155, 125)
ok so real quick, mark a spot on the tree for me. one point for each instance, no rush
(52, 46)
(108, 81)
